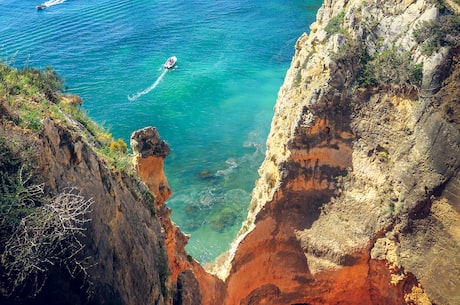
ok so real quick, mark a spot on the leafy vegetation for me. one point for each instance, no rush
(298, 77)
(335, 24)
(443, 31)
(385, 67)
(352, 54)
(390, 66)
(35, 95)
(39, 230)
(19, 197)
(442, 5)
(30, 82)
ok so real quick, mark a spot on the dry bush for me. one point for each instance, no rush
(49, 236)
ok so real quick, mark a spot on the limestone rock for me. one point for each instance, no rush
(123, 245)
(358, 193)
(146, 142)
(187, 279)
(150, 152)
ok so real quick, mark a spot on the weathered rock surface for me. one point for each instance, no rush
(188, 281)
(150, 152)
(357, 201)
(124, 245)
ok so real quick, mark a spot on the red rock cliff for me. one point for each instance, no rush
(188, 281)
(358, 196)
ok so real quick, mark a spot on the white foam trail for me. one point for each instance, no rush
(134, 97)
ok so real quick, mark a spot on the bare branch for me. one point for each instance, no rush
(46, 237)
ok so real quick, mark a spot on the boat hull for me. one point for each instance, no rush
(170, 63)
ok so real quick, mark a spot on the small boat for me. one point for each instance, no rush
(48, 4)
(170, 62)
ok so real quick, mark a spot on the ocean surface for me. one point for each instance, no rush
(214, 109)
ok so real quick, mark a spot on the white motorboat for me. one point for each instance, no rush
(170, 62)
(48, 4)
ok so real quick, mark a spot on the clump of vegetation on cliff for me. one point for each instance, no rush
(335, 24)
(441, 32)
(34, 95)
(390, 66)
(385, 66)
(39, 230)
(17, 196)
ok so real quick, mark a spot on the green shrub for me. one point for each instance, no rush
(390, 66)
(352, 54)
(30, 82)
(386, 67)
(34, 95)
(441, 4)
(432, 35)
(335, 25)
(19, 195)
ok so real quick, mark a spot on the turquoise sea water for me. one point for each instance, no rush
(214, 109)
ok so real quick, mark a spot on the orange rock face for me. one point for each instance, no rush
(150, 153)
(270, 266)
(357, 201)
(151, 171)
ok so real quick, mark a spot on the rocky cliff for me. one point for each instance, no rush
(358, 196)
(77, 225)
(188, 281)
(358, 199)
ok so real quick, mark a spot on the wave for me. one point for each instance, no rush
(208, 197)
(232, 165)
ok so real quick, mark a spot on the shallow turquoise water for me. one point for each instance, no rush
(214, 109)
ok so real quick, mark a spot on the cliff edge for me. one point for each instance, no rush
(77, 224)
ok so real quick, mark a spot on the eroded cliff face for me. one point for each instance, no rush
(188, 282)
(358, 196)
(121, 257)
(358, 199)
(124, 242)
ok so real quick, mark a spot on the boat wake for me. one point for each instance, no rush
(134, 97)
(49, 3)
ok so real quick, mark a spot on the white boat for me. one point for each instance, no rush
(170, 62)
(48, 4)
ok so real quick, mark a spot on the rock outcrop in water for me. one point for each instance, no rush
(188, 280)
(358, 199)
